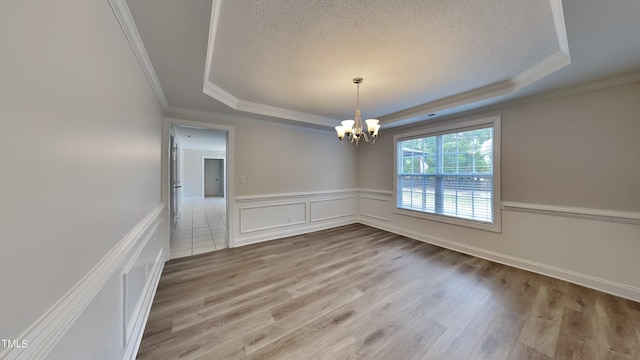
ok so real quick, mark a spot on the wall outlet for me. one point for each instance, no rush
(242, 179)
(288, 219)
(147, 270)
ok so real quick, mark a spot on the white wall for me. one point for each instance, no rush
(573, 155)
(81, 169)
(192, 170)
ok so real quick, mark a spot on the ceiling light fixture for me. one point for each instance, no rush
(352, 129)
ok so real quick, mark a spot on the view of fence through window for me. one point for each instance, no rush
(449, 174)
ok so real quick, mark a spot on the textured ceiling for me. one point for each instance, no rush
(302, 54)
(286, 59)
(201, 139)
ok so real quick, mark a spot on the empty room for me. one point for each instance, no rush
(234, 179)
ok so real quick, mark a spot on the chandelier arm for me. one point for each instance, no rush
(353, 130)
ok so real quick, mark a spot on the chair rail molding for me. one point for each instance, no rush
(51, 327)
(628, 217)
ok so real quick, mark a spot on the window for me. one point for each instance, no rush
(451, 173)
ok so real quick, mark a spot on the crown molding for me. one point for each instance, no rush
(558, 22)
(548, 65)
(619, 80)
(267, 110)
(209, 87)
(220, 94)
(545, 67)
(123, 15)
(176, 112)
(572, 90)
(233, 102)
(455, 103)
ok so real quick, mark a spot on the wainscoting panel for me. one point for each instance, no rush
(259, 218)
(332, 208)
(267, 217)
(375, 204)
(590, 247)
(113, 300)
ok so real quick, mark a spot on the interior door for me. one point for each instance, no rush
(213, 177)
(209, 177)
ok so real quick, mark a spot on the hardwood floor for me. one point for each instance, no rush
(356, 292)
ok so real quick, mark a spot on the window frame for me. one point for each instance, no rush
(447, 128)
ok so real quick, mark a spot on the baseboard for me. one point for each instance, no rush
(610, 287)
(51, 327)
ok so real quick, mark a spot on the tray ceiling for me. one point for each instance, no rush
(293, 61)
(296, 59)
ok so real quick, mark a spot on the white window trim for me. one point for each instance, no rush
(493, 121)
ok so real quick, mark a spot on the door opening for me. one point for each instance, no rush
(198, 152)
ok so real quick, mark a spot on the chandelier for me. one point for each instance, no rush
(352, 131)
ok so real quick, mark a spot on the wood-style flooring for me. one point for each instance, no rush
(356, 292)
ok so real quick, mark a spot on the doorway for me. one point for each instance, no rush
(197, 189)
(213, 177)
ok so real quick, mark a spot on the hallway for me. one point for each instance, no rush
(201, 227)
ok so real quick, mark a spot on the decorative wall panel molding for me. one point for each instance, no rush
(47, 331)
(375, 208)
(332, 208)
(265, 217)
(272, 216)
(375, 204)
(134, 325)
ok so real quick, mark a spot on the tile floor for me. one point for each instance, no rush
(201, 227)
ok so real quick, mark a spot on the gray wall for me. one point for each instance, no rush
(280, 158)
(577, 151)
(82, 167)
(81, 153)
(580, 150)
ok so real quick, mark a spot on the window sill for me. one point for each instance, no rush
(495, 227)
